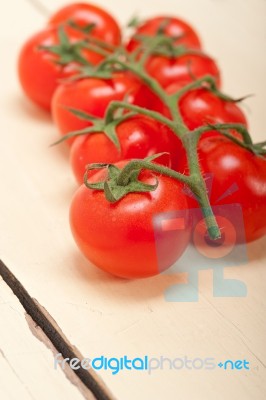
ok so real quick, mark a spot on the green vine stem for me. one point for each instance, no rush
(136, 165)
(138, 70)
(114, 105)
(87, 30)
(121, 182)
(170, 101)
(93, 47)
(66, 51)
(223, 128)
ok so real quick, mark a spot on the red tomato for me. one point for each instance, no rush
(122, 238)
(84, 14)
(201, 107)
(139, 137)
(183, 69)
(39, 72)
(93, 96)
(238, 177)
(174, 27)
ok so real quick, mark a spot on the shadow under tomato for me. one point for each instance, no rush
(117, 288)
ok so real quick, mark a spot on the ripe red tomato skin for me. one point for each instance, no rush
(231, 165)
(139, 137)
(182, 69)
(38, 72)
(93, 96)
(119, 238)
(106, 28)
(176, 27)
(200, 107)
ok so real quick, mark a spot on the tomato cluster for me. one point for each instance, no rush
(78, 68)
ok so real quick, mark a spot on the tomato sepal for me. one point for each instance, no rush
(113, 188)
(98, 125)
(66, 51)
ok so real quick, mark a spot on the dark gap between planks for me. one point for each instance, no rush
(55, 337)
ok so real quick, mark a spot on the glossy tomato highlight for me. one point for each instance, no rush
(105, 26)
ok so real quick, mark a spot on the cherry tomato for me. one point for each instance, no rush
(139, 137)
(173, 27)
(84, 14)
(183, 69)
(201, 107)
(39, 70)
(120, 238)
(93, 96)
(237, 177)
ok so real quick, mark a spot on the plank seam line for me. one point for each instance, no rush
(49, 330)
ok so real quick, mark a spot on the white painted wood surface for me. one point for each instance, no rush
(25, 362)
(99, 314)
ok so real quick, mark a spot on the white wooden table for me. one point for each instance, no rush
(99, 314)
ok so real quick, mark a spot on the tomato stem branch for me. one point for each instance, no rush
(194, 182)
(138, 70)
(137, 165)
(97, 49)
(114, 105)
(247, 141)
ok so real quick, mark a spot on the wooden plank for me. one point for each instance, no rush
(102, 315)
(45, 329)
(26, 364)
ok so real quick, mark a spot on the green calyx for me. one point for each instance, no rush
(86, 29)
(66, 51)
(103, 70)
(160, 45)
(90, 71)
(120, 183)
(97, 125)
